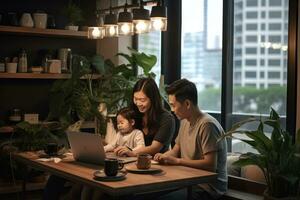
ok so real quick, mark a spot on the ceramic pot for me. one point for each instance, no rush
(40, 20)
(26, 20)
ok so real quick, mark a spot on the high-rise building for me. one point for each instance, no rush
(260, 42)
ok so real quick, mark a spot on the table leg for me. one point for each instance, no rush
(25, 178)
(189, 192)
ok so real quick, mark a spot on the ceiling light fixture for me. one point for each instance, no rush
(138, 21)
(125, 25)
(159, 17)
(111, 24)
(141, 19)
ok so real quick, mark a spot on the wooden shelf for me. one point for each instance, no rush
(39, 76)
(43, 32)
(34, 76)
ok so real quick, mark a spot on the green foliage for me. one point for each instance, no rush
(244, 97)
(73, 12)
(277, 156)
(32, 137)
(105, 83)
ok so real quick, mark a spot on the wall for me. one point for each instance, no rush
(109, 47)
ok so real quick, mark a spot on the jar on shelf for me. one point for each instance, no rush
(22, 64)
(15, 116)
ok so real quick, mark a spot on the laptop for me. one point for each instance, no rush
(88, 148)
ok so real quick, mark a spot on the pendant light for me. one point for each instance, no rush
(141, 20)
(159, 17)
(125, 25)
(97, 32)
(110, 24)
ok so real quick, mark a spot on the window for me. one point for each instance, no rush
(251, 38)
(274, 26)
(262, 77)
(275, 14)
(251, 62)
(251, 50)
(275, 38)
(273, 75)
(275, 3)
(251, 3)
(250, 74)
(251, 27)
(202, 47)
(251, 15)
(150, 43)
(274, 62)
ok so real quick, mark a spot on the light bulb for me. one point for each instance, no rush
(125, 28)
(157, 24)
(96, 33)
(112, 31)
(141, 26)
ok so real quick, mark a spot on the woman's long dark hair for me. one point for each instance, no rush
(150, 89)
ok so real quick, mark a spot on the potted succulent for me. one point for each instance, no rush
(74, 14)
(277, 156)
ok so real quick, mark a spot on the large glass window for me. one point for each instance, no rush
(150, 43)
(202, 49)
(262, 86)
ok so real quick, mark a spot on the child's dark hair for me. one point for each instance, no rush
(128, 114)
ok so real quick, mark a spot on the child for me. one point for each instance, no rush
(127, 135)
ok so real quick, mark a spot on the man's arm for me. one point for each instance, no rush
(209, 162)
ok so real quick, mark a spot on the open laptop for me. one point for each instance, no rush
(87, 147)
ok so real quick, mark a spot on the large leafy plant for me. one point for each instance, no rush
(104, 82)
(278, 157)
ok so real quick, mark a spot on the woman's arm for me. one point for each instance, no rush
(152, 149)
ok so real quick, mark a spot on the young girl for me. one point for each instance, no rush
(127, 136)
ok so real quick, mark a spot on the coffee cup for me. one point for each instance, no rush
(112, 166)
(51, 149)
(144, 161)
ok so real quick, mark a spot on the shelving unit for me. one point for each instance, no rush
(43, 32)
(39, 76)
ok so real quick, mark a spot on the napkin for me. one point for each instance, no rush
(54, 159)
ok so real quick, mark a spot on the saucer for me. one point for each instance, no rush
(99, 175)
(134, 169)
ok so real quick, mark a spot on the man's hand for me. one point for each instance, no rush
(166, 159)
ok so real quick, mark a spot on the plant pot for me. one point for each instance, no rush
(71, 27)
(267, 197)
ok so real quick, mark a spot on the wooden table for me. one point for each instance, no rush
(172, 176)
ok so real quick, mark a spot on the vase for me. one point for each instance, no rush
(268, 197)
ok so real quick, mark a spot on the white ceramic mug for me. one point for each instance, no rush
(40, 20)
(26, 20)
(11, 67)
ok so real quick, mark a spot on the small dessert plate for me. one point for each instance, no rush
(99, 175)
(134, 169)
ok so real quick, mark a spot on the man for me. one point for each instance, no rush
(196, 144)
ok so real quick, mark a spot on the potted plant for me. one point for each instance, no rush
(277, 156)
(106, 83)
(26, 137)
(74, 14)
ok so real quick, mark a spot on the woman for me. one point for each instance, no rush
(157, 124)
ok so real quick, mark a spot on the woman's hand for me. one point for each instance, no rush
(124, 151)
(166, 159)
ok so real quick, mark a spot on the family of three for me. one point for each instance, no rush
(195, 146)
